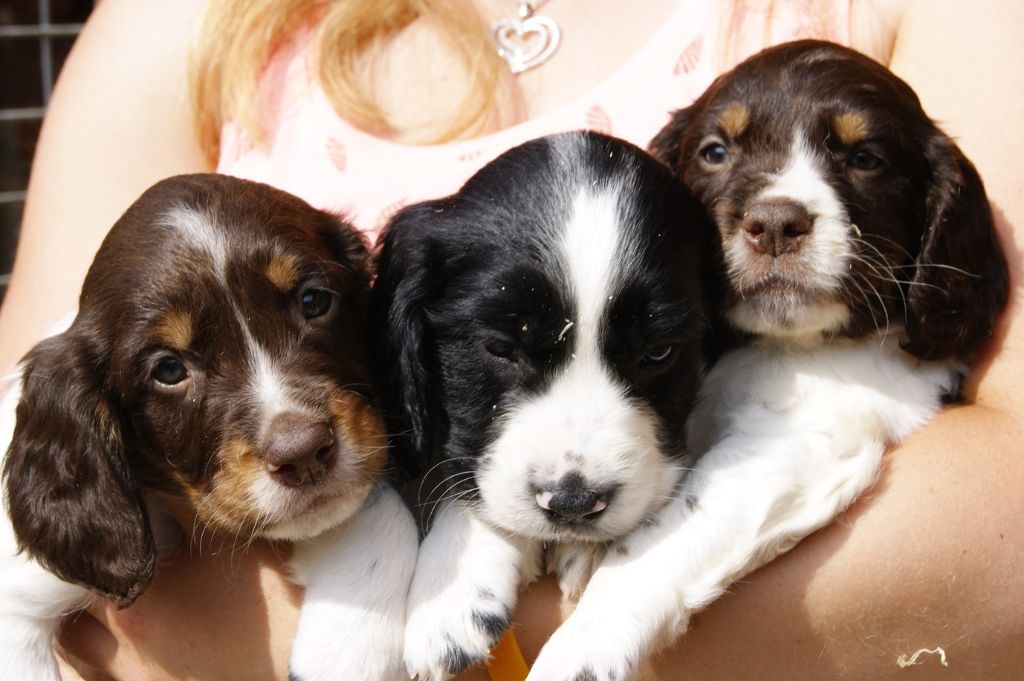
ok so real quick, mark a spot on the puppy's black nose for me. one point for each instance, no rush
(776, 226)
(573, 500)
(298, 451)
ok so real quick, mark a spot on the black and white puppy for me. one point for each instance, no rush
(863, 270)
(219, 361)
(540, 335)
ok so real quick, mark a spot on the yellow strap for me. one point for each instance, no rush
(507, 663)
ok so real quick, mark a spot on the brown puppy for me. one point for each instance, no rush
(857, 242)
(219, 355)
(842, 208)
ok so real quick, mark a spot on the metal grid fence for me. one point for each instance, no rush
(35, 35)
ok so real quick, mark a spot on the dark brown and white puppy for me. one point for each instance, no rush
(842, 209)
(218, 357)
(862, 272)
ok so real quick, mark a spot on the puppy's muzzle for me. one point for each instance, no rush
(299, 451)
(776, 226)
(573, 501)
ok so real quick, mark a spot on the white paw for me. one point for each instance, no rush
(369, 651)
(581, 653)
(444, 637)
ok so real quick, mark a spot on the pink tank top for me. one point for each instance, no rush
(312, 152)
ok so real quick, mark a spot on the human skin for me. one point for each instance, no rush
(929, 558)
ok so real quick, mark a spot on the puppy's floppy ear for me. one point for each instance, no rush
(665, 145)
(409, 276)
(73, 501)
(960, 284)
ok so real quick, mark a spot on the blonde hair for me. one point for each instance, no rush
(237, 39)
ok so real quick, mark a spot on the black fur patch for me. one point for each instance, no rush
(455, 658)
(492, 625)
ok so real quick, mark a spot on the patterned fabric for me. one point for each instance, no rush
(313, 153)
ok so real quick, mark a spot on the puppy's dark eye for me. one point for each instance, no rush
(714, 154)
(864, 160)
(170, 371)
(499, 347)
(315, 302)
(658, 354)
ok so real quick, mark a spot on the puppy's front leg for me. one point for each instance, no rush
(464, 591)
(357, 579)
(737, 511)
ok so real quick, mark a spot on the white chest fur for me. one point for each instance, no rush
(842, 391)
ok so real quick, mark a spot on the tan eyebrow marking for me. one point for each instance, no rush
(283, 272)
(734, 120)
(175, 329)
(851, 127)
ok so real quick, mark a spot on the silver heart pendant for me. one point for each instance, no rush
(526, 42)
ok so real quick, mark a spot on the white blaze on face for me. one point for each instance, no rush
(201, 231)
(824, 254)
(583, 422)
(284, 511)
(269, 392)
(268, 384)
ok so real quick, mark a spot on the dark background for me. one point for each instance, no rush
(35, 37)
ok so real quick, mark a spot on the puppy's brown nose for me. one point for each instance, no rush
(776, 226)
(298, 451)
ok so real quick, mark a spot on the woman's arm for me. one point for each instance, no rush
(209, 614)
(119, 120)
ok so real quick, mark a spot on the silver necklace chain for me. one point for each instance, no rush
(528, 40)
